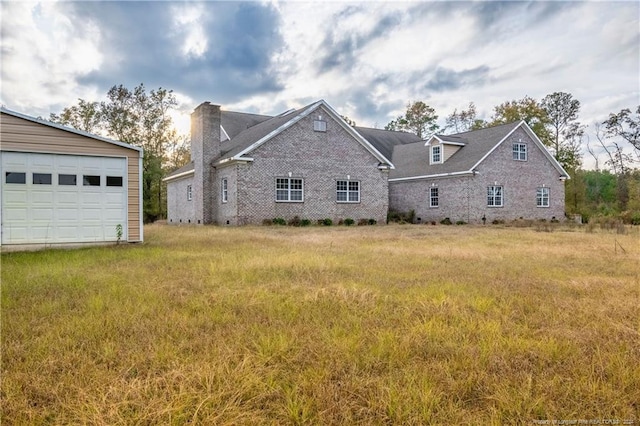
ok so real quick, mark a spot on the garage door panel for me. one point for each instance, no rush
(42, 214)
(67, 215)
(40, 161)
(42, 198)
(17, 234)
(33, 213)
(90, 199)
(11, 198)
(14, 214)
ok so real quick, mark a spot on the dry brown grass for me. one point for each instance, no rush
(342, 325)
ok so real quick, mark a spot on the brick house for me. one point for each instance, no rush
(497, 173)
(247, 168)
(310, 163)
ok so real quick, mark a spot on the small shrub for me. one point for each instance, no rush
(279, 221)
(363, 222)
(305, 222)
(497, 222)
(348, 221)
(446, 221)
(461, 222)
(326, 222)
(295, 221)
(401, 217)
(375, 222)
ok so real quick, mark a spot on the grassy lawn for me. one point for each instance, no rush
(342, 325)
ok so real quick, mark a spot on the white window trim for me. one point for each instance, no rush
(431, 197)
(440, 154)
(517, 151)
(347, 191)
(493, 196)
(224, 187)
(289, 190)
(543, 194)
(189, 193)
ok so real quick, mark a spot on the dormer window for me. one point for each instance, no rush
(436, 154)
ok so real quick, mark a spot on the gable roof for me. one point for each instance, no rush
(235, 123)
(69, 129)
(248, 140)
(412, 160)
(385, 140)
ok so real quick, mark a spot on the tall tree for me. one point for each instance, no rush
(562, 112)
(85, 116)
(349, 121)
(419, 118)
(625, 125)
(140, 118)
(464, 120)
(527, 109)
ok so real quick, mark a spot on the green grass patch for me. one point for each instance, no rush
(325, 325)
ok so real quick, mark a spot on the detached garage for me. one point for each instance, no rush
(64, 186)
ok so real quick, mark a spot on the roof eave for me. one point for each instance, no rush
(178, 176)
(71, 130)
(434, 176)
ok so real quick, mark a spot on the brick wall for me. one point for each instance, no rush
(179, 209)
(320, 159)
(205, 146)
(465, 197)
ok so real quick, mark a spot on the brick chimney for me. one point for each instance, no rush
(205, 147)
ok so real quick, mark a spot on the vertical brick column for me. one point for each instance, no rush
(205, 147)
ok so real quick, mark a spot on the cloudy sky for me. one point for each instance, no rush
(366, 59)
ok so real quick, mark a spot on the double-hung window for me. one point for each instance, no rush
(520, 151)
(224, 190)
(436, 154)
(289, 190)
(542, 197)
(348, 191)
(495, 196)
(434, 197)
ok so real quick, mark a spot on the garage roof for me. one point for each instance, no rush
(69, 129)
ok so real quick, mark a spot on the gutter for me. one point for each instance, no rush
(440, 175)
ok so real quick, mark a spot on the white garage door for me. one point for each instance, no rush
(48, 198)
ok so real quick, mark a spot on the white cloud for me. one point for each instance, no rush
(187, 24)
(44, 54)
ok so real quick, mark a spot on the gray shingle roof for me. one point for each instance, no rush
(235, 123)
(412, 160)
(385, 140)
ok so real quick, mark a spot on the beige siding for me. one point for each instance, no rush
(449, 150)
(26, 136)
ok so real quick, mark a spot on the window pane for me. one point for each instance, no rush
(341, 185)
(67, 180)
(13, 177)
(282, 195)
(296, 195)
(114, 180)
(354, 196)
(296, 183)
(282, 183)
(42, 178)
(354, 186)
(91, 180)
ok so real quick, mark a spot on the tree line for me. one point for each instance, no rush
(613, 188)
(141, 118)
